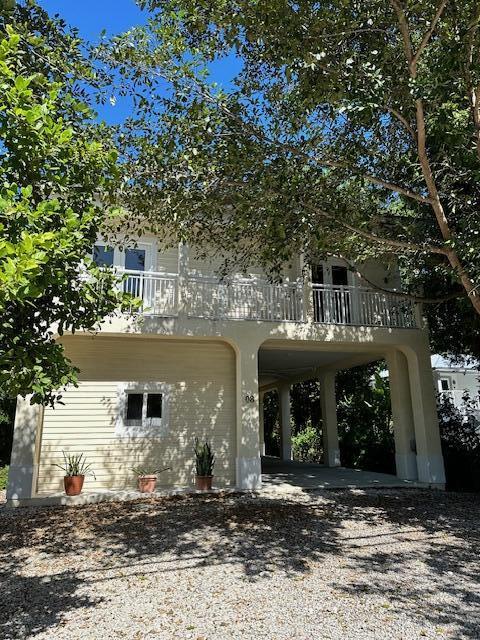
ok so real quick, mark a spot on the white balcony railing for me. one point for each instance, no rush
(255, 299)
(158, 292)
(361, 306)
(248, 299)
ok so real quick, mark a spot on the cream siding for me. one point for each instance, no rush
(201, 376)
(167, 260)
(212, 265)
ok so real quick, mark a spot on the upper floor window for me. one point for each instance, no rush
(135, 259)
(103, 255)
(139, 258)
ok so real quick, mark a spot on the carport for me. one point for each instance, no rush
(284, 363)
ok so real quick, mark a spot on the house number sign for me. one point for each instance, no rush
(250, 397)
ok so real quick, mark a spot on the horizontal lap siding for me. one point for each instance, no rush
(167, 260)
(201, 376)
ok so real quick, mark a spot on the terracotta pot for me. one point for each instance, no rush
(147, 484)
(73, 485)
(203, 483)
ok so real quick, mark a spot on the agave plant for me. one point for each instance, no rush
(148, 471)
(75, 465)
(204, 458)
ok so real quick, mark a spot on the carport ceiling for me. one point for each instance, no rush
(291, 363)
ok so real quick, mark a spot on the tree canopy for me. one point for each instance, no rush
(57, 169)
(352, 129)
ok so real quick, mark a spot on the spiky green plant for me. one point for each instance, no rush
(148, 471)
(75, 465)
(204, 458)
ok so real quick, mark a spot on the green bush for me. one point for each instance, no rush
(7, 415)
(365, 425)
(3, 477)
(460, 434)
(307, 445)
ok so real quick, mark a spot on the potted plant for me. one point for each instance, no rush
(147, 478)
(75, 468)
(204, 462)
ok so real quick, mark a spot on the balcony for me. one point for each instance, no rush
(167, 295)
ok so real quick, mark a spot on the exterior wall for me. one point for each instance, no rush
(459, 380)
(211, 266)
(380, 275)
(167, 260)
(202, 403)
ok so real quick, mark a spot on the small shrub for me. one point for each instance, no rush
(204, 459)
(75, 465)
(460, 434)
(3, 477)
(307, 445)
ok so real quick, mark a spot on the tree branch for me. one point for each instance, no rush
(398, 244)
(260, 135)
(429, 33)
(403, 120)
(428, 176)
(474, 91)
(399, 294)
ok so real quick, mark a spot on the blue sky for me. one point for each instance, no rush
(116, 16)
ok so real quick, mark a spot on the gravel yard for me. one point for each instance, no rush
(388, 563)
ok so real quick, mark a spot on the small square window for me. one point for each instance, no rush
(143, 410)
(444, 385)
(134, 406)
(154, 405)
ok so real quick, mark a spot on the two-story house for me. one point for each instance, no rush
(198, 356)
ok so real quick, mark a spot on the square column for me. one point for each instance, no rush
(328, 402)
(248, 464)
(424, 408)
(285, 426)
(403, 425)
(22, 475)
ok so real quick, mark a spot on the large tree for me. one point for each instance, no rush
(352, 129)
(57, 169)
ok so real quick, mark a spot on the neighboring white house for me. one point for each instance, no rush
(197, 359)
(457, 380)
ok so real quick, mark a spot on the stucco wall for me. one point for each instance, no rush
(201, 376)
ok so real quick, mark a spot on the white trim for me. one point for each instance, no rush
(149, 427)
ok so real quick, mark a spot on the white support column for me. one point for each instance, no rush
(22, 474)
(285, 426)
(424, 407)
(403, 426)
(248, 464)
(329, 419)
(262, 423)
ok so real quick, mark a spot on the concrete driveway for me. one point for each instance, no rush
(300, 475)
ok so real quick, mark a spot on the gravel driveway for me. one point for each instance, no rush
(324, 564)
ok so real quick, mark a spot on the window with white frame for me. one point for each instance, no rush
(138, 258)
(444, 384)
(142, 409)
